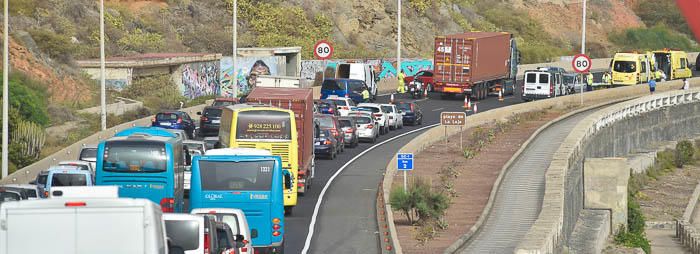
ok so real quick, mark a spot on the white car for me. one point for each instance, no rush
(395, 117)
(89, 153)
(366, 128)
(345, 105)
(235, 218)
(378, 114)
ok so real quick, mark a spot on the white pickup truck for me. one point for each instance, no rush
(82, 225)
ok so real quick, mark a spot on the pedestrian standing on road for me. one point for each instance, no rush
(686, 84)
(589, 80)
(401, 88)
(365, 94)
(606, 78)
(652, 86)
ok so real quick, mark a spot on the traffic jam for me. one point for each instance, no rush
(222, 185)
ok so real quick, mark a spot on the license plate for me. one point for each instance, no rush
(215, 121)
(453, 89)
(165, 123)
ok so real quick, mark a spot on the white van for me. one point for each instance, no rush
(82, 225)
(543, 83)
(359, 71)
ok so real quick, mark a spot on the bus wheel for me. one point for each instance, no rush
(288, 210)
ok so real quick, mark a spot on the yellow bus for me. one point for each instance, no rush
(265, 127)
(631, 69)
(674, 63)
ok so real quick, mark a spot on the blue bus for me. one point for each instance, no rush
(248, 179)
(144, 166)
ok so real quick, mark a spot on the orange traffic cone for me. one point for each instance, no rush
(425, 92)
(392, 99)
(500, 95)
(466, 102)
(475, 108)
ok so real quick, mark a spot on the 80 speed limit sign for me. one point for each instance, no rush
(323, 50)
(581, 63)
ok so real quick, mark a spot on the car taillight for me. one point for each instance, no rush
(74, 204)
(207, 245)
(179, 120)
(204, 118)
(551, 89)
(370, 126)
(167, 205)
(334, 132)
(411, 107)
(377, 115)
(245, 246)
(330, 110)
(327, 142)
(345, 108)
(349, 131)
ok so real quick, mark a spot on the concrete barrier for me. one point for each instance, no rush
(122, 106)
(686, 232)
(28, 173)
(563, 191)
(436, 134)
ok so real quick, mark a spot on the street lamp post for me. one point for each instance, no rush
(235, 48)
(583, 29)
(398, 41)
(103, 99)
(5, 91)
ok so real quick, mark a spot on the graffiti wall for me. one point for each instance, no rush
(385, 68)
(200, 79)
(248, 70)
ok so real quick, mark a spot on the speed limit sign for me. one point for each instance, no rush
(323, 50)
(581, 63)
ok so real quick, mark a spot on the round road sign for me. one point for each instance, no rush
(323, 50)
(581, 63)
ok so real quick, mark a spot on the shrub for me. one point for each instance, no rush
(141, 41)
(56, 45)
(157, 92)
(29, 98)
(657, 37)
(401, 200)
(684, 153)
(421, 203)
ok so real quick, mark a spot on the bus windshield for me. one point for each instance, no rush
(625, 66)
(134, 157)
(230, 175)
(264, 124)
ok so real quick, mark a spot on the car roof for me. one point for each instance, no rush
(345, 118)
(171, 112)
(64, 167)
(69, 171)
(238, 151)
(89, 146)
(87, 163)
(368, 105)
(60, 203)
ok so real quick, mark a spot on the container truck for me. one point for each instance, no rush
(475, 64)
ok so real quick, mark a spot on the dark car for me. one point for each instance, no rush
(327, 107)
(411, 113)
(224, 101)
(349, 129)
(40, 182)
(329, 122)
(209, 121)
(326, 145)
(424, 76)
(175, 120)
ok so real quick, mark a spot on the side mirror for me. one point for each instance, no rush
(199, 113)
(238, 238)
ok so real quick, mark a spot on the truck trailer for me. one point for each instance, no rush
(475, 64)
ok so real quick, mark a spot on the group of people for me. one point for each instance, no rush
(652, 85)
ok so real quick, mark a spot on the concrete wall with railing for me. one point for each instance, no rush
(28, 173)
(614, 131)
(686, 231)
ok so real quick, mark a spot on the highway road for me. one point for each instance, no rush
(345, 221)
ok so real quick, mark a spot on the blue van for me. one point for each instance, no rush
(342, 87)
(247, 179)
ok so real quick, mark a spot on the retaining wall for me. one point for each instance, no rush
(686, 231)
(612, 132)
(28, 173)
(436, 134)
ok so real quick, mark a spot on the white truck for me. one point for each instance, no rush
(359, 71)
(82, 225)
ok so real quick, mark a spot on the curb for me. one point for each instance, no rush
(463, 240)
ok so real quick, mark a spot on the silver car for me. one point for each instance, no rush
(367, 129)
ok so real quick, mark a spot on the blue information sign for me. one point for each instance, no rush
(404, 161)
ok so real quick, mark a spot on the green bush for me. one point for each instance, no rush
(141, 41)
(56, 45)
(654, 38)
(653, 12)
(29, 98)
(684, 153)
(157, 93)
(633, 235)
(421, 203)
(401, 200)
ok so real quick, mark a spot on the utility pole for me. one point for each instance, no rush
(103, 97)
(583, 29)
(398, 43)
(235, 48)
(5, 90)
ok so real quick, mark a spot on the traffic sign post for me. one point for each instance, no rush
(404, 162)
(581, 64)
(323, 50)
(454, 119)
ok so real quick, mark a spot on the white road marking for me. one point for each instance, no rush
(438, 109)
(312, 225)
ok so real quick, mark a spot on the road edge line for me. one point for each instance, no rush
(317, 207)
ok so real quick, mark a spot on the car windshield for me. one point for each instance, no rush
(363, 120)
(230, 175)
(345, 123)
(212, 112)
(166, 117)
(388, 109)
(340, 102)
(404, 106)
(331, 85)
(134, 156)
(625, 66)
(88, 153)
(65, 179)
(8, 196)
(370, 109)
(183, 233)
(325, 122)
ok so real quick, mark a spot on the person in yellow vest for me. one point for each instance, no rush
(402, 87)
(365, 94)
(607, 78)
(589, 80)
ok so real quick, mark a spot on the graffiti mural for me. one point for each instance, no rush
(200, 79)
(248, 70)
(385, 68)
(116, 84)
